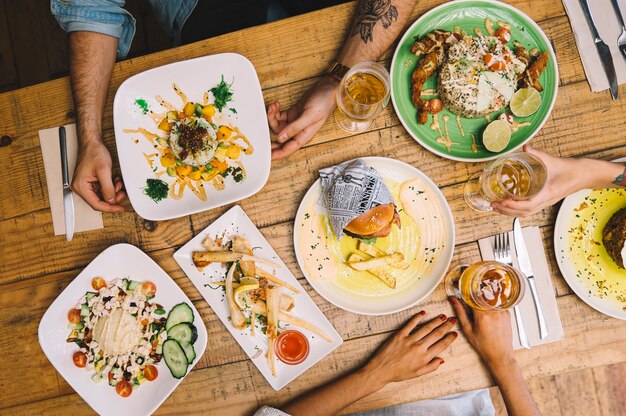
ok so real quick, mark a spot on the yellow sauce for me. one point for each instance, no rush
(595, 268)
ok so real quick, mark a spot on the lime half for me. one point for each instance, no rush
(525, 102)
(497, 136)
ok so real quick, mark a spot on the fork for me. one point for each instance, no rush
(502, 253)
(621, 41)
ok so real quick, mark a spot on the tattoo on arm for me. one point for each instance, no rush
(621, 179)
(369, 13)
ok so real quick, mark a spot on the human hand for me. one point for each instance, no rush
(297, 126)
(412, 351)
(564, 177)
(93, 180)
(489, 333)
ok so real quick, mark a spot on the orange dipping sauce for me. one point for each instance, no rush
(292, 347)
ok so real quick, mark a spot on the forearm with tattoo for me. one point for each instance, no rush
(620, 180)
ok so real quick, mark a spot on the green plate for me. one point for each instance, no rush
(469, 14)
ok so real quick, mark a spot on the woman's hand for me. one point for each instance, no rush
(489, 333)
(297, 126)
(412, 351)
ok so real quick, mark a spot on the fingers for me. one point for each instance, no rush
(461, 314)
(428, 327)
(412, 323)
(276, 119)
(106, 185)
(290, 147)
(439, 332)
(89, 195)
(512, 208)
(442, 344)
(434, 364)
(297, 126)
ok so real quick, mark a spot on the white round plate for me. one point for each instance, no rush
(408, 297)
(567, 267)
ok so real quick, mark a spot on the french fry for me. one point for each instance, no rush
(370, 249)
(271, 278)
(211, 245)
(204, 258)
(377, 262)
(273, 301)
(380, 273)
(241, 245)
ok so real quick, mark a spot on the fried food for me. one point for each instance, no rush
(614, 237)
(530, 77)
(378, 272)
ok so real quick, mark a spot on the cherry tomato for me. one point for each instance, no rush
(435, 105)
(148, 289)
(503, 34)
(74, 316)
(124, 388)
(488, 59)
(498, 66)
(98, 283)
(150, 372)
(80, 359)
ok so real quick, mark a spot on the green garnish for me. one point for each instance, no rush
(233, 110)
(143, 105)
(156, 189)
(369, 240)
(222, 93)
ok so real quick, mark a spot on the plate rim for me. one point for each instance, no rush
(558, 224)
(454, 4)
(140, 253)
(265, 132)
(447, 212)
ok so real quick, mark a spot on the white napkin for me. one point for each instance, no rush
(539, 264)
(85, 218)
(609, 29)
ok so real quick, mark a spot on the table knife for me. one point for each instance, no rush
(68, 201)
(523, 260)
(603, 50)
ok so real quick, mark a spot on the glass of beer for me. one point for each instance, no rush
(486, 285)
(518, 176)
(362, 95)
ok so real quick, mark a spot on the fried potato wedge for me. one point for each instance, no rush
(204, 258)
(380, 273)
(377, 262)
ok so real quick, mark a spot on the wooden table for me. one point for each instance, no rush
(36, 266)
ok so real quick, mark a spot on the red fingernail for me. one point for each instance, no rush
(421, 313)
(442, 317)
(441, 362)
(455, 334)
(452, 320)
(452, 299)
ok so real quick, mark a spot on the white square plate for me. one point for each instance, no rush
(236, 222)
(194, 77)
(118, 261)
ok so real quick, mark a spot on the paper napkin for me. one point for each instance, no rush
(85, 218)
(609, 29)
(539, 264)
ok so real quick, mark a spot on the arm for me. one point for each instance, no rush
(376, 25)
(565, 176)
(92, 56)
(410, 353)
(490, 335)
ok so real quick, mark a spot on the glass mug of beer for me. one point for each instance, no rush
(486, 285)
(519, 176)
(362, 96)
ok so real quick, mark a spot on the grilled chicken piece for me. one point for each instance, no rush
(530, 77)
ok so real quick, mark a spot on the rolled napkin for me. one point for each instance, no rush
(609, 29)
(85, 217)
(350, 189)
(539, 264)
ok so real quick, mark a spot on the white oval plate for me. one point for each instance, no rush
(399, 172)
(194, 77)
(118, 261)
(569, 272)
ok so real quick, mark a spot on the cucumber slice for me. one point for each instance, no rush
(184, 333)
(113, 382)
(171, 171)
(179, 313)
(84, 310)
(90, 295)
(97, 377)
(190, 353)
(125, 283)
(133, 285)
(175, 358)
(198, 109)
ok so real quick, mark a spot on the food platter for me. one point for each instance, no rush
(167, 172)
(235, 223)
(432, 243)
(118, 261)
(580, 254)
(468, 15)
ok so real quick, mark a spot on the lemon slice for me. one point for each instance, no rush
(497, 136)
(240, 291)
(525, 102)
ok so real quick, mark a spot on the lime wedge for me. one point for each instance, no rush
(525, 102)
(497, 136)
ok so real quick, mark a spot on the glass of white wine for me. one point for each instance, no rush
(518, 176)
(362, 95)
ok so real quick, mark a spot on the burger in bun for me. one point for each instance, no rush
(374, 223)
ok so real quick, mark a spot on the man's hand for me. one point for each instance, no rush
(93, 180)
(297, 126)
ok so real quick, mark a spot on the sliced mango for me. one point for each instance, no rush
(233, 151)
(164, 125)
(167, 161)
(189, 109)
(224, 133)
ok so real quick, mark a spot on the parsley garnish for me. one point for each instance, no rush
(156, 189)
(222, 93)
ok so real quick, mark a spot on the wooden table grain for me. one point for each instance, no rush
(289, 55)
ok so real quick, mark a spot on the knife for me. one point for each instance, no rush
(68, 201)
(603, 50)
(523, 261)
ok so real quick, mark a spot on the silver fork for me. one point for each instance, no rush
(502, 253)
(621, 41)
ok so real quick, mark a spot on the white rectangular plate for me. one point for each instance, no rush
(194, 77)
(236, 222)
(118, 261)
